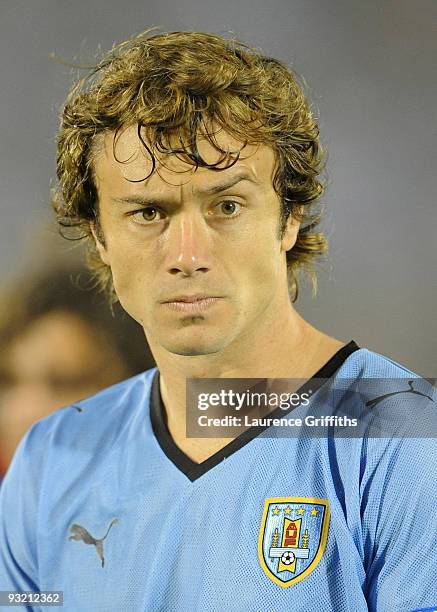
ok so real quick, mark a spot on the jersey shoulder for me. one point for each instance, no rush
(365, 363)
(389, 398)
(97, 421)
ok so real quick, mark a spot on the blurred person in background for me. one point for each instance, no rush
(59, 342)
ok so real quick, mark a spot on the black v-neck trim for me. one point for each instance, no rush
(194, 470)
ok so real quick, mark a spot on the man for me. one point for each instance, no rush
(191, 162)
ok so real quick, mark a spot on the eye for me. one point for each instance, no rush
(229, 208)
(147, 215)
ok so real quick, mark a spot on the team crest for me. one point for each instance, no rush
(292, 537)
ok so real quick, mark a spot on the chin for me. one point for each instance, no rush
(191, 349)
(193, 344)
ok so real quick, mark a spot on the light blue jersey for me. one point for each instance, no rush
(101, 504)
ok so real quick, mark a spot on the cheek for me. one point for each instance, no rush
(261, 262)
(129, 276)
(126, 254)
(132, 276)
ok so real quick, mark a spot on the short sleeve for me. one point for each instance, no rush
(19, 501)
(399, 517)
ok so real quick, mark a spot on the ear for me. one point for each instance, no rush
(291, 230)
(99, 241)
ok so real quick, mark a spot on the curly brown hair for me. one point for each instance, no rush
(173, 87)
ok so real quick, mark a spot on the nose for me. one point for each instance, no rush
(189, 245)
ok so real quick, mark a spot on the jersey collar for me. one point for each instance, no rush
(194, 470)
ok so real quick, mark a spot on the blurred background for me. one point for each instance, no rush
(369, 70)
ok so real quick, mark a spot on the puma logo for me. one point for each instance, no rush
(80, 533)
(381, 398)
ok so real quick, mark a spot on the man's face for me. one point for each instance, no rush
(196, 256)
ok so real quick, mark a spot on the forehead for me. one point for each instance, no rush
(123, 162)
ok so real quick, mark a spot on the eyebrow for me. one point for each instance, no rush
(214, 189)
(231, 183)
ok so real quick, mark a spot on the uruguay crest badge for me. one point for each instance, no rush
(292, 537)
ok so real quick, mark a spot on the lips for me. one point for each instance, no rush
(191, 304)
(189, 298)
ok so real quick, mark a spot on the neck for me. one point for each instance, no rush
(279, 347)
